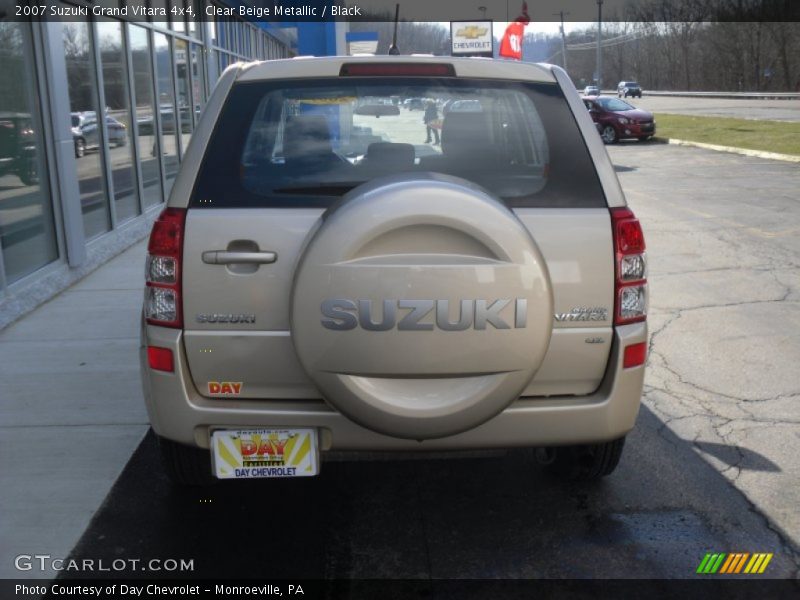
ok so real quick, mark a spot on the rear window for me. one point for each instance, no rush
(306, 143)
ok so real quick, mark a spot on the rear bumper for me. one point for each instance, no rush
(178, 412)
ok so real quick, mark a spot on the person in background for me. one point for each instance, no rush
(431, 115)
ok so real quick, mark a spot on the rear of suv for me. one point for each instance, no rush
(629, 88)
(322, 279)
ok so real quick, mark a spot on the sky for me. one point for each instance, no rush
(547, 27)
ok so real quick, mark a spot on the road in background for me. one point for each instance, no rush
(773, 110)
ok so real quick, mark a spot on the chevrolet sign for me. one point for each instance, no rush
(471, 38)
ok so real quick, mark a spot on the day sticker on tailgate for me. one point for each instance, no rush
(257, 453)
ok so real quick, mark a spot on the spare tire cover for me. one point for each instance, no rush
(421, 307)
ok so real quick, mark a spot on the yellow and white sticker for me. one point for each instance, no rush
(257, 453)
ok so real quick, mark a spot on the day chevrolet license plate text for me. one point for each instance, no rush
(253, 453)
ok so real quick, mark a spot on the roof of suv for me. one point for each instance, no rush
(307, 67)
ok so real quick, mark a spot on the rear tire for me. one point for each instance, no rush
(645, 138)
(185, 465)
(583, 463)
(27, 173)
(80, 148)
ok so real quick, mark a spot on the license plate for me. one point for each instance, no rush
(258, 453)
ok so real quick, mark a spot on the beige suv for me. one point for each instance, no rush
(326, 278)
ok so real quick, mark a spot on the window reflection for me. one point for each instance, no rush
(85, 135)
(185, 105)
(166, 108)
(198, 80)
(118, 119)
(27, 235)
(145, 114)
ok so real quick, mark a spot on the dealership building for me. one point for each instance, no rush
(76, 189)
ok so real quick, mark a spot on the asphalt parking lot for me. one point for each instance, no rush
(711, 467)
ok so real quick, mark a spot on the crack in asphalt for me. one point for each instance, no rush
(770, 269)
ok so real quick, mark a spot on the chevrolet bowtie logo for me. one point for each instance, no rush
(472, 32)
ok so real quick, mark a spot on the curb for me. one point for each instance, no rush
(733, 150)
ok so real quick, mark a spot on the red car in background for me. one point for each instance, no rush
(619, 120)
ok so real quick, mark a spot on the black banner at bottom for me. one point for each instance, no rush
(485, 589)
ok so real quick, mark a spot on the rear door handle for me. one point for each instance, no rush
(224, 257)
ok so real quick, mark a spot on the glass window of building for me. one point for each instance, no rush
(144, 110)
(233, 28)
(224, 34)
(118, 119)
(198, 81)
(79, 55)
(184, 88)
(213, 68)
(212, 28)
(27, 234)
(166, 109)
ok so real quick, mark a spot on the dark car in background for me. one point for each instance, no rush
(18, 147)
(619, 120)
(629, 88)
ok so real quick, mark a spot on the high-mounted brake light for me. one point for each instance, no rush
(392, 69)
(162, 270)
(630, 268)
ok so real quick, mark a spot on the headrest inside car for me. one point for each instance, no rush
(387, 154)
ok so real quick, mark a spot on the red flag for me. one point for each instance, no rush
(511, 45)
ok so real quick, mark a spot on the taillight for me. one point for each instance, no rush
(630, 268)
(162, 303)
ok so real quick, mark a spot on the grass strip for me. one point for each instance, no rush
(770, 136)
